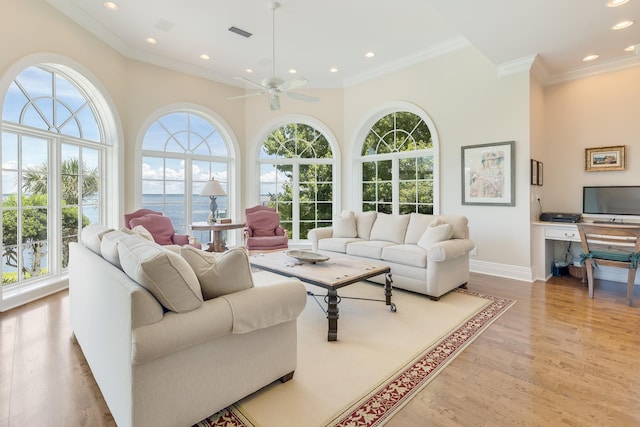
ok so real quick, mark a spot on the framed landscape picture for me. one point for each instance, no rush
(488, 174)
(604, 159)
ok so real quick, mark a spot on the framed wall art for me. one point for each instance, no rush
(604, 159)
(534, 172)
(488, 174)
(539, 173)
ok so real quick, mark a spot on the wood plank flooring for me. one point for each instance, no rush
(556, 358)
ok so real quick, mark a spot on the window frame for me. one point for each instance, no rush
(254, 173)
(358, 159)
(110, 185)
(234, 181)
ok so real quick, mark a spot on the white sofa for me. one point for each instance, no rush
(428, 254)
(176, 363)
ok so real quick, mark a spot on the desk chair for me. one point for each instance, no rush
(611, 245)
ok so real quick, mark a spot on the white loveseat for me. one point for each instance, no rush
(176, 363)
(428, 254)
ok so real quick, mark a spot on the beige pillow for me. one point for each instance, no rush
(165, 274)
(345, 225)
(221, 274)
(433, 235)
(91, 236)
(460, 224)
(109, 246)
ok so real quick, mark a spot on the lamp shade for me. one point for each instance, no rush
(213, 188)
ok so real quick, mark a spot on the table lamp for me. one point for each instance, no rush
(213, 189)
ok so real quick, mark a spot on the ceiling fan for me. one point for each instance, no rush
(274, 86)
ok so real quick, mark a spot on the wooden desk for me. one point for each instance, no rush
(217, 244)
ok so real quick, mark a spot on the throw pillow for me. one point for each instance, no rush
(345, 225)
(91, 236)
(221, 274)
(139, 230)
(109, 246)
(165, 274)
(460, 224)
(433, 235)
(160, 227)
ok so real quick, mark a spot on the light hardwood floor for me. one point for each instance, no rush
(556, 358)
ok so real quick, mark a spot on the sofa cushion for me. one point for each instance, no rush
(364, 223)
(160, 227)
(417, 224)
(336, 244)
(91, 236)
(433, 235)
(412, 255)
(460, 225)
(345, 225)
(368, 249)
(390, 228)
(109, 246)
(220, 274)
(165, 274)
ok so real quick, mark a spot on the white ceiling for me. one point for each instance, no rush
(313, 36)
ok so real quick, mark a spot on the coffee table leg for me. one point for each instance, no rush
(388, 282)
(332, 299)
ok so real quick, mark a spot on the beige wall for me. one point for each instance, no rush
(461, 93)
(469, 104)
(598, 111)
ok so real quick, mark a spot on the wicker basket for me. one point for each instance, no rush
(579, 272)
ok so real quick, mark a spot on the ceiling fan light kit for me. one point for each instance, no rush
(274, 86)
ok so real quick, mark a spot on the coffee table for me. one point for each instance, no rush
(335, 273)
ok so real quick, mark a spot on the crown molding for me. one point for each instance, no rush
(434, 52)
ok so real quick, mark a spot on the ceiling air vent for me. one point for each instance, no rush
(238, 31)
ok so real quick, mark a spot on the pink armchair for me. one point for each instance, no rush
(160, 227)
(263, 230)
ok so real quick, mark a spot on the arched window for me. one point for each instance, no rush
(297, 177)
(53, 157)
(181, 151)
(398, 165)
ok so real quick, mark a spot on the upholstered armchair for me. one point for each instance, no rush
(159, 226)
(263, 230)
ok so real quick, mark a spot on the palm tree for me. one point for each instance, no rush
(34, 230)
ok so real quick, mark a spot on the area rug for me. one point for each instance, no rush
(380, 361)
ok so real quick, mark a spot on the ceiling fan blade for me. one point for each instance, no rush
(301, 97)
(250, 82)
(293, 84)
(246, 95)
(274, 102)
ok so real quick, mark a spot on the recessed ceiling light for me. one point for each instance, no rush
(623, 24)
(616, 3)
(248, 70)
(205, 56)
(369, 54)
(333, 70)
(111, 5)
(151, 40)
(590, 58)
(630, 48)
(292, 71)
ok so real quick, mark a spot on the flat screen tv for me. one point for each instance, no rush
(613, 200)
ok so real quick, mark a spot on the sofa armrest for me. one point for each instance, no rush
(251, 309)
(450, 249)
(280, 231)
(317, 234)
(264, 306)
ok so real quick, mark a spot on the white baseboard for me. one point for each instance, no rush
(502, 270)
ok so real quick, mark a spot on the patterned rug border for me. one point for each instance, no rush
(377, 407)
